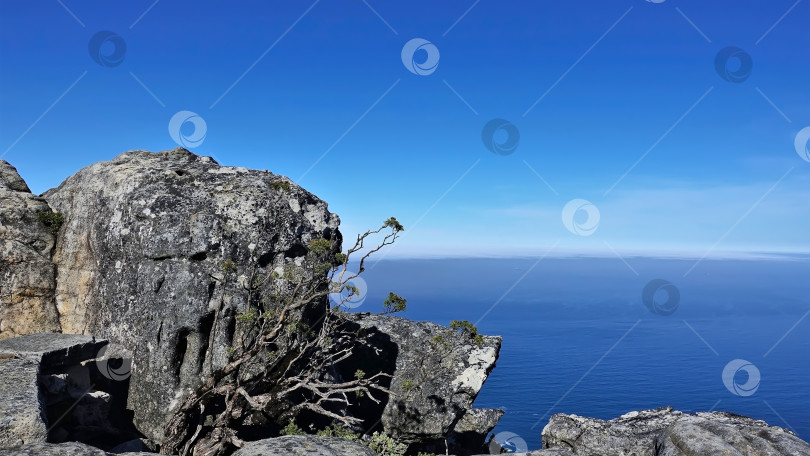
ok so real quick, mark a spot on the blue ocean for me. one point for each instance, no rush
(728, 335)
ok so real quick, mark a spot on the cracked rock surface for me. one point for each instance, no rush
(667, 432)
(140, 262)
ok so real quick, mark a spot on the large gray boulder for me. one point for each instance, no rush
(666, 432)
(26, 272)
(304, 445)
(62, 449)
(155, 255)
(437, 374)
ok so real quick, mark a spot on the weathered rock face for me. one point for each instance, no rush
(304, 445)
(21, 418)
(24, 363)
(665, 432)
(61, 449)
(155, 254)
(437, 374)
(26, 272)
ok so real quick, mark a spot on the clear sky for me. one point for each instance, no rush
(638, 107)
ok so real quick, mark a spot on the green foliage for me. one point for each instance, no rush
(393, 223)
(228, 266)
(339, 431)
(384, 445)
(438, 339)
(359, 375)
(248, 317)
(408, 385)
(468, 328)
(280, 186)
(425, 454)
(292, 429)
(52, 220)
(320, 246)
(321, 269)
(230, 351)
(394, 303)
(341, 257)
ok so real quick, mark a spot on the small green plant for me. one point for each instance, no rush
(384, 445)
(339, 431)
(320, 246)
(408, 385)
(468, 328)
(394, 303)
(341, 257)
(439, 340)
(280, 186)
(228, 266)
(359, 375)
(230, 351)
(248, 317)
(52, 220)
(393, 223)
(292, 429)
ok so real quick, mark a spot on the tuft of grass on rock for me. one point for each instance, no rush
(52, 220)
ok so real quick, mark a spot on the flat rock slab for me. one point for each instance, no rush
(61, 449)
(667, 432)
(21, 419)
(304, 445)
(54, 351)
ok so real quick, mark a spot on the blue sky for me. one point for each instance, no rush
(591, 87)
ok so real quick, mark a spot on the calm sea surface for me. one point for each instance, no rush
(577, 337)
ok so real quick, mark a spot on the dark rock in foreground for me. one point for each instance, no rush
(54, 352)
(21, 418)
(62, 449)
(304, 445)
(665, 432)
(437, 374)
